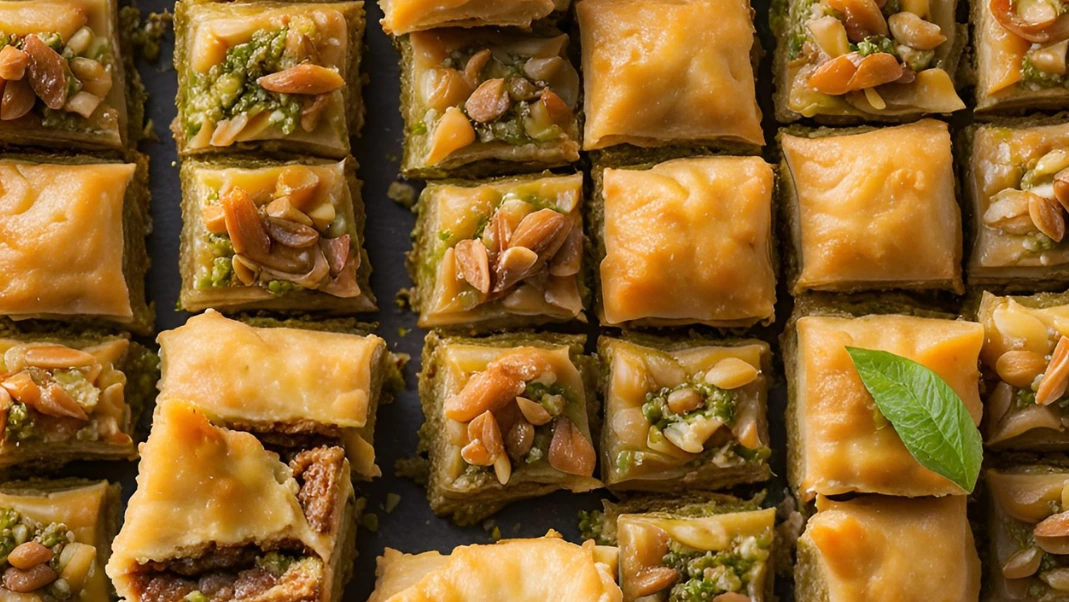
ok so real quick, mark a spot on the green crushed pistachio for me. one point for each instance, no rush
(195, 596)
(1035, 78)
(279, 288)
(275, 563)
(873, 45)
(717, 403)
(20, 423)
(706, 574)
(495, 534)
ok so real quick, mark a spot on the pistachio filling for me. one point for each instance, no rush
(1045, 24)
(1035, 209)
(42, 559)
(705, 574)
(53, 393)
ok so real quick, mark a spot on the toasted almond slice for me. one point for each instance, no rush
(77, 562)
(570, 451)
(227, 131)
(1056, 525)
(568, 259)
(244, 224)
(489, 101)
(55, 401)
(95, 78)
(291, 234)
(18, 100)
(22, 388)
(731, 373)
(684, 400)
(863, 18)
(46, 72)
(652, 579)
(27, 555)
(830, 35)
(52, 357)
(476, 454)
(875, 70)
(1057, 579)
(452, 133)
(913, 31)
(543, 232)
(214, 218)
(485, 428)
(503, 469)
(473, 263)
(513, 265)
(247, 270)
(500, 231)
(1008, 211)
(1047, 216)
(533, 411)
(305, 78)
(299, 184)
(1020, 367)
(312, 112)
(1053, 384)
(503, 380)
(282, 208)
(475, 65)
(834, 76)
(1022, 563)
(83, 103)
(13, 63)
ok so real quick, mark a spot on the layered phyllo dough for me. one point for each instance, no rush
(500, 253)
(268, 235)
(518, 570)
(73, 232)
(215, 513)
(873, 210)
(275, 76)
(507, 417)
(669, 72)
(487, 101)
(71, 396)
(288, 385)
(56, 539)
(838, 441)
(64, 82)
(1019, 188)
(684, 414)
(866, 60)
(1026, 360)
(407, 16)
(1020, 50)
(687, 241)
(888, 549)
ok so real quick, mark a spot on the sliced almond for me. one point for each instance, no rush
(214, 218)
(503, 380)
(299, 184)
(1057, 579)
(95, 77)
(543, 232)
(226, 132)
(652, 579)
(1053, 384)
(1056, 525)
(305, 78)
(244, 224)
(485, 428)
(1061, 188)
(1008, 212)
(1020, 367)
(77, 561)
(54, 357)
(282, 208)
(18, 100)
(875, 70)
(489, 101)
(556, 108)
(83, 103)
(830, 35)
(913, 31)
(291, 234)
(834, 76)
(533, 412)
(247, 270)
(46, 72)
(1022, 563)
(512, 266)
(568, 259)
(13, 63)
(473, 264)
(732, 597)
(684, 400)
(863, 18)
(1047, 216)
(452, 133)
(499, 231)
(475, 65)
(55, 401)
(731, 373)
(22, 388)
(503, 469)
(570, 451)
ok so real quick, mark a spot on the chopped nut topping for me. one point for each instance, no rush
(863, 18)
(1047, 216)
(570, 451)
(473, 263)
(47, 72)
(305, 78)
(1020, 367)
(489, 101)
(1056, 377)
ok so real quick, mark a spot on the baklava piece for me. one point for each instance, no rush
(290, 386)
(56, 539)
(71, 396)
(215, 513)
(687, 241)
(277, 236)
(888, 549)
(63, 74)
(872, 210)
(1018, 188)
(521, 570)
(867, 60)
(503, 253)
(1026, 357)
(684, 415)
(1020, 55)
(838, 442)
(487, 101)
(506, 418)
(73, 232)
(669, 72)
(407, 16)
(274, 76)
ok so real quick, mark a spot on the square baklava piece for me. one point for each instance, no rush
(57, 539)
(64, 75)
(71, 395)
(885, 549)
(684, 414)
(506, 418)
(407, 16)
(838, 442)
(1018, 188)
(487, 102)
(214, 512)
(268, 76)
(502, 253)
(290, 383)
(73, 232)
(872, 210)
(275, 236)
(826, 61)
(687, 241)
(1025, 356)
(669, 72)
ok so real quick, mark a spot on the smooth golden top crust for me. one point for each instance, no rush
(885, 549)
(846, 444)
(199, 485)
(234, 372)
(877, 207)
(518, 570)
(668, 72)
(688, 242)
(406, 16)
(61, 239)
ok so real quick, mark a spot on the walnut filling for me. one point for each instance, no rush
(42, 559)
(1035, 209)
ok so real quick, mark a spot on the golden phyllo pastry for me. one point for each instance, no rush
(406, 16)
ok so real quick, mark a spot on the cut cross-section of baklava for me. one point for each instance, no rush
(506, 418)
(406, 16)
(669, 72)
(214, 513)
(687, 241)
(873, 210)
(518, 570)
(500, 254)
(684, 414)
(62, 73)
(73, 241)
(71, 396)
(290, 386)
(838, 441)
(1018, 188)
(888, 549)
(56, 539)
(480, 102)
(275, 76)
(866, 60)
(267, 235)
(1026, 357)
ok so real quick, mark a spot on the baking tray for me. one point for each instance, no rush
(411, 526)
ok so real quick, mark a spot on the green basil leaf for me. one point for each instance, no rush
(929, 417)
